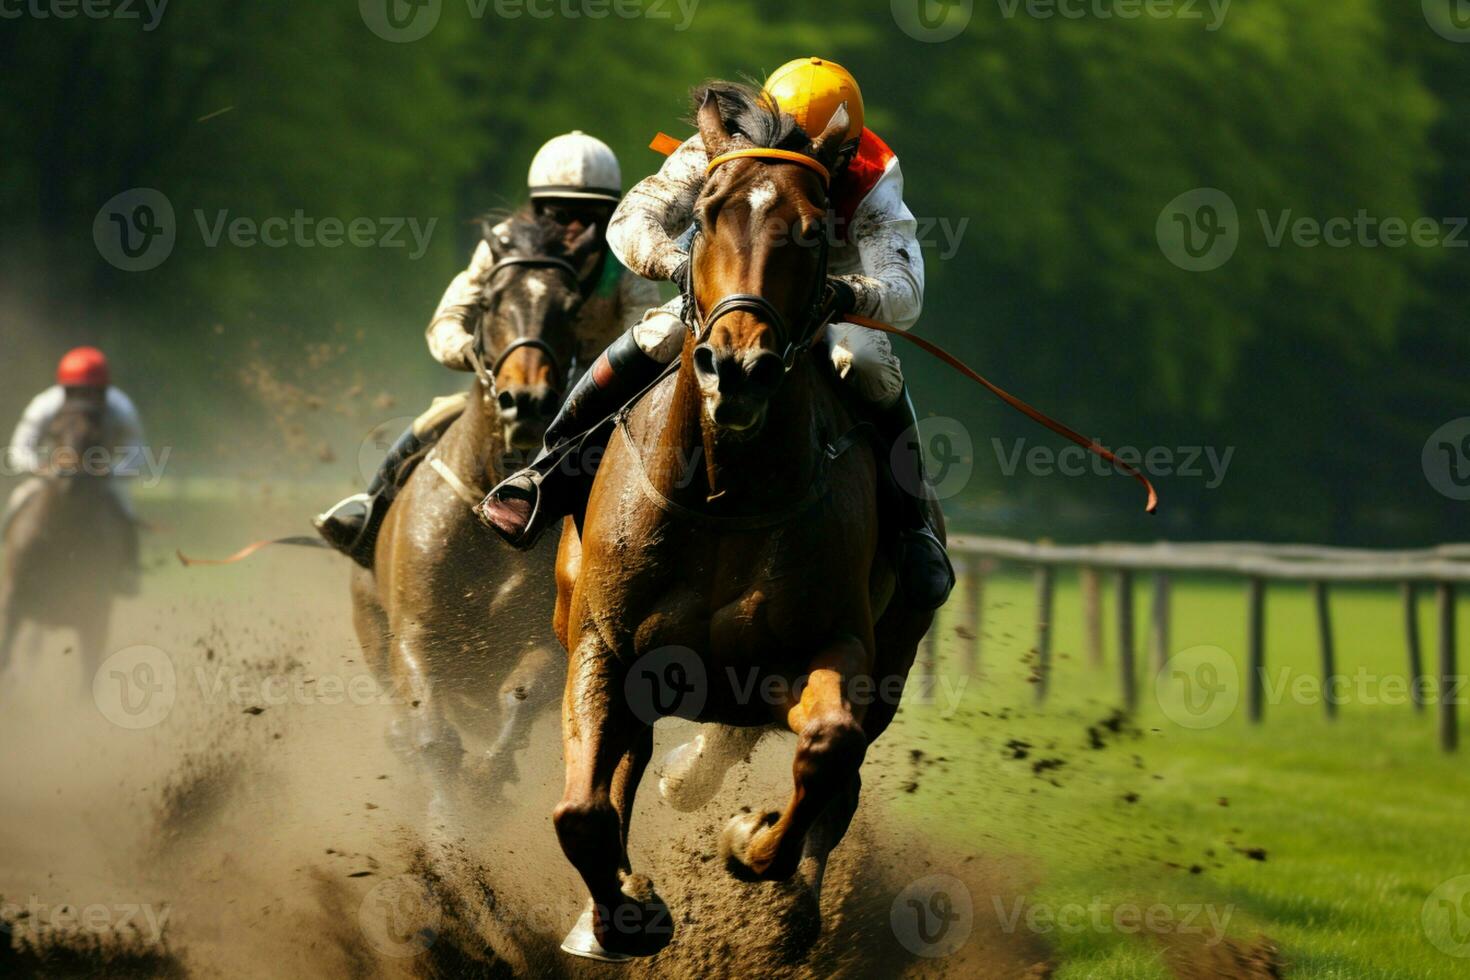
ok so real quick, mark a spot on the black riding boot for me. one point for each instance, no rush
(924, 571)
(527, 502)
(351, 525)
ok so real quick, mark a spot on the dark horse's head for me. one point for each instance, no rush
(77, 435)
(761, 222)
(531, 299)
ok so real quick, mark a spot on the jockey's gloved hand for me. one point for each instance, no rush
(841, 298)
(467, 355)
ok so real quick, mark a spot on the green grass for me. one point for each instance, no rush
(1360, 818)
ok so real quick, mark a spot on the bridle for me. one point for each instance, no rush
(487, 372)
(793, 342)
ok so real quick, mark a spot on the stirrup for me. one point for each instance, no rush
(347, 526)
(512, 509)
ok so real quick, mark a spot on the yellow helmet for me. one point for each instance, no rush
(811, 89)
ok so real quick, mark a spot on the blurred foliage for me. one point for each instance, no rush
(1051, 144)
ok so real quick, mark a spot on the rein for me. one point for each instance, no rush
(818, 318)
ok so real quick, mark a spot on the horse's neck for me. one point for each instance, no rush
(742, 474)
(474, 445)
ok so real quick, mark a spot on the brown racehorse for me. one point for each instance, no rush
(66, 548)
(749, 590)
(455, 624)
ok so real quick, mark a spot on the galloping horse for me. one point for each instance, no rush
(439, 578)
(752, 589)
(68, 545)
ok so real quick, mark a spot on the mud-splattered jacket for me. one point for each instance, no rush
(619, 300)
(875, 248)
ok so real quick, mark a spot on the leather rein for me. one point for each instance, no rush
(815, 317)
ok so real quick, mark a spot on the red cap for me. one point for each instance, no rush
(84, 367)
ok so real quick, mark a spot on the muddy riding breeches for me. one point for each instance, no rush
(863, 358)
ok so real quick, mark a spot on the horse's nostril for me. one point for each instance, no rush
(507, 401)
(766, 372)
(704, 360)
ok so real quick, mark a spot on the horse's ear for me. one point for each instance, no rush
(497, 236)
(712, 125)
(826, 146)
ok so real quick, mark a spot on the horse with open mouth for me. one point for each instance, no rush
(454, 624)
(750, 589)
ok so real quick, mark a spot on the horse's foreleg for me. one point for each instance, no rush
(421, 731)
(694, 771)
(530, 688)
(606, 747)
(830, 749)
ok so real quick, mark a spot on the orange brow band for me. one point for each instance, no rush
(763, 153)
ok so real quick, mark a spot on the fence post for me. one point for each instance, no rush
(1091, 584)
(1256, 638)
(1125, 639)
(1324, 631)
(1045, 577)
(1448, 682)
(1411, 638)
(1159, 635)
(976, 609)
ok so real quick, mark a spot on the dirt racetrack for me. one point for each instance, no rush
(255, 824)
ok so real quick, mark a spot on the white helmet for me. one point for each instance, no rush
(576, 165)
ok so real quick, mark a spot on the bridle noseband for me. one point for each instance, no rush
(792, 343)
(487, 374)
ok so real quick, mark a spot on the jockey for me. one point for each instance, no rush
(574, 181)
(877, 271)
(83, 373)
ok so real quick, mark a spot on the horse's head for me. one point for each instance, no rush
(759, 262)
(77, 434)
(531, 299)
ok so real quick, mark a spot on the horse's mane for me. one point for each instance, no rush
(529, 233)
(750, 111)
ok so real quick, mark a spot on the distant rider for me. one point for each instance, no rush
(83, 374)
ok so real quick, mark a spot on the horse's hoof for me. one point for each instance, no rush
(735, 842)
(637, 924)
(582, 941)
(686, 784)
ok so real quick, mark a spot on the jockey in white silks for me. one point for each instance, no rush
(575, 181)
(876, 270)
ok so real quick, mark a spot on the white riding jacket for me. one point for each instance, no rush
(875, 248)
(124, 433)
(617, 302)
